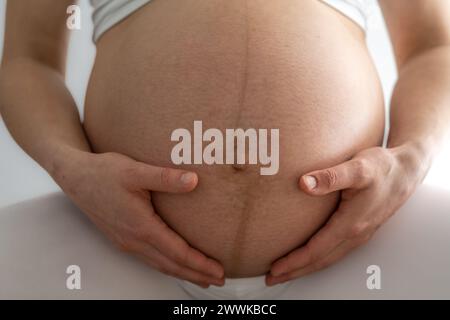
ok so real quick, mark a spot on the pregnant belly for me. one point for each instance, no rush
(296, 66)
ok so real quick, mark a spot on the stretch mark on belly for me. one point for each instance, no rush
(242, 94)
(241, 233)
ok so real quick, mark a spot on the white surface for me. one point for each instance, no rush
(21, 178)
(40, 238)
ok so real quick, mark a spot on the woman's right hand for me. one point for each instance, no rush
(114, 191)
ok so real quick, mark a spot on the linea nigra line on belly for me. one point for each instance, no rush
(243, 222)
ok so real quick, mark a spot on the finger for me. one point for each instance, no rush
(159, 262)
(154, 258)
(350, 174)
(324, 241)
(108, 232)
(164, 179)
(337, 254)
(155, 265)
(177, 249)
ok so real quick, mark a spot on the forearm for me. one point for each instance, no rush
(40, 112)
(420, 107)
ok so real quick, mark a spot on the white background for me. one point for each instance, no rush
(21, 178)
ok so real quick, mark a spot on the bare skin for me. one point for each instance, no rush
(376, 182)
(232, 59)
(51, 133)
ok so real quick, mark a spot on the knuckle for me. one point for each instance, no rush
(358, 230)
(123, 247)
(364, 239)
(404, 191)
(175, 271)
(182, 257)
(126, 246)
(129, 174)
(143, 234)
(330, 177)
(166, 271)
(389, 161)
(310, 256)
(164, 177)
(363, 170)
(319, 264)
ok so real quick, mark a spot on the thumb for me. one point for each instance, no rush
(165, 179)
(350, 174)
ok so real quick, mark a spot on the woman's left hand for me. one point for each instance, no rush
(374, 183)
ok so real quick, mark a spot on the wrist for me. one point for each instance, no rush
(414, 157)
(64, 159)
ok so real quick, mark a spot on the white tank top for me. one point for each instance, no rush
(107, 13)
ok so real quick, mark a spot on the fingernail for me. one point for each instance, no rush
(218, 283)
(187, 178)
(310, 182)
(280, 280)
(217, 273)
(273, 282)
(277, 273)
